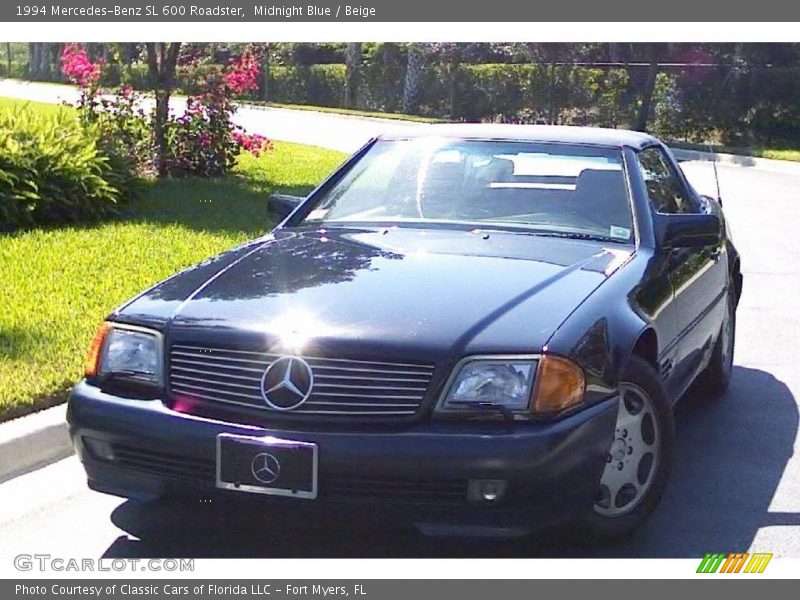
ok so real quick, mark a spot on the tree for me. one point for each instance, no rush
(411, 84)
(266, 63)
(391, 64)
(450, 55)
(556, 60)
(655, 51)
(353, 60)
(40, 60)
(162, 61)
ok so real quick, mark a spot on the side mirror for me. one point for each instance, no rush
(284, 204)
(688, 231)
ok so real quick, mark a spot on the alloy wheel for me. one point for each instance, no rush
(632, 460)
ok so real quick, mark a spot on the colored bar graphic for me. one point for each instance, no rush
(713, 562)
(710, 563)
(758, 563)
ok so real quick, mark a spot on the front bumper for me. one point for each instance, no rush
(418, 474)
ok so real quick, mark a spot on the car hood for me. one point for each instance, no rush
(394, 291)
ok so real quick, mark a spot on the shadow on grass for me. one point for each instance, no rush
(232, 204)
(18, 342)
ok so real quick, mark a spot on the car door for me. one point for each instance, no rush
(698, 275)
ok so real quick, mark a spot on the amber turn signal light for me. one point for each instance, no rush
(559, 385)
(93, 357)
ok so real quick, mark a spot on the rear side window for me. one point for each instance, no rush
(664, 189)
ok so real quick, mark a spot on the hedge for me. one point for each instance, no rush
(732, 104)
(482, 92)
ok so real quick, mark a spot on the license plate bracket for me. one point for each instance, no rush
(267, 465)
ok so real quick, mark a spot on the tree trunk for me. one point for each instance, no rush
(647, 94)
(39, 60)
(352, 74)
(162, 60)
(265, 66)
(390, 87)
(159, 130)
(616, 52)
(452, 93)
(8, 58)
(552, 107)
(130, 51)
(45, 58)
(412, 79)
(33, 60)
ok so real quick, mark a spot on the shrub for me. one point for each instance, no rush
(53, 170)
(320, 85)
(124, 129)
(204, 141)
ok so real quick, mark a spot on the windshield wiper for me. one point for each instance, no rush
(575, 235)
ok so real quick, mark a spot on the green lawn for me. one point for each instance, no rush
(57, 284)
(10, 103)
(350, 111)
(757, 151)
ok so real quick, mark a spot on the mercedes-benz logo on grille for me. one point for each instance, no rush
(287, 383)
(265, 467)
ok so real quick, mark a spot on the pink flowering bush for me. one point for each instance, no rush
(241, 76)
(78, 69)
(204, 140)
(254, 143)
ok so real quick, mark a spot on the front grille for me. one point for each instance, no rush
(344, 387)
(406, 490)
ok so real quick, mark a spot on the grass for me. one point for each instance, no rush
(10, 103)
(757, 151)
(57, 284)
(349, 111)
(326, 109)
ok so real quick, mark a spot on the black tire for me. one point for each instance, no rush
(716, 377)
(638, 378)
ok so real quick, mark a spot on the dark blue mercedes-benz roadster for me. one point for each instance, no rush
(466, 326)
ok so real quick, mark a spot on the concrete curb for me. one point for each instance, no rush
(33, 441)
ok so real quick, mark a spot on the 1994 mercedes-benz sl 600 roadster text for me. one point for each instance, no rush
(466, 326)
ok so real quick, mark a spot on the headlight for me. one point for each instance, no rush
(537, 386)
(125, 351)
(487, 382)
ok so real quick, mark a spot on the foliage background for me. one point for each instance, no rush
(733, 93)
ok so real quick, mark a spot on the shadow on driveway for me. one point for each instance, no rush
(730, 456)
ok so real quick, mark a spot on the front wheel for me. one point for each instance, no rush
(640, 457)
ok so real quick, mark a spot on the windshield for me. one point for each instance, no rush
(547, 188)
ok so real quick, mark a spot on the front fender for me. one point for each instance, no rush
(601, 332)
